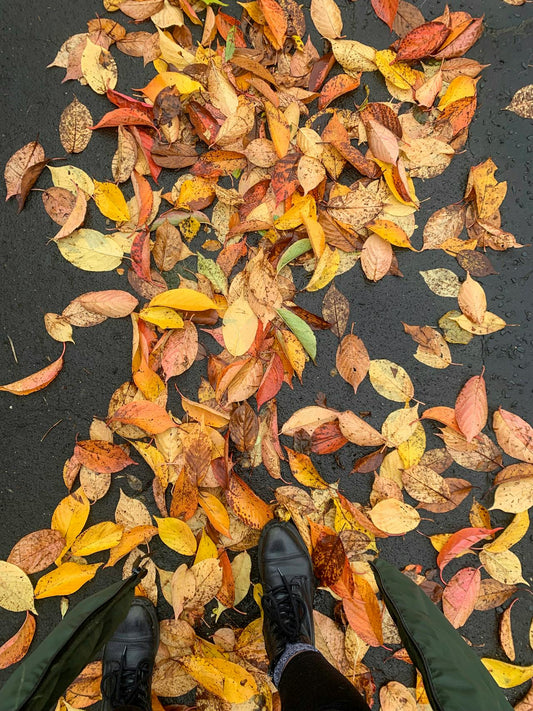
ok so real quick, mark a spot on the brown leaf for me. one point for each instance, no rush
(243, 427)
(514, 435)
(27, 156)
(37, 550)
(329, 559)
(75, 127)
(396, 697)
(169, 248)
(59, 203)
(446, 223)
(352, 360)
(475, 263)
(506, 633)
(407, 18)
(75, 218)
(180, 350)
(336, 310)
(492, 594)
(376, 257)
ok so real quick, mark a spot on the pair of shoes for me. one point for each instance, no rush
(286, 573)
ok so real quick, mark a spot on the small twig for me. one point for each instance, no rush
(13, 349)
(50, 429)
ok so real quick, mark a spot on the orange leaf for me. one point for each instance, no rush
(386, 10)
(102, 457)
(339, 85)
(17, 646)
(246, 505)
(362, 611)
(37, 381)
(149, 416)
(276, 20)
(216, 512)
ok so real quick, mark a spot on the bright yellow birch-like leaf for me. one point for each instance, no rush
(514, 532)
(16, 590)
(184, 299)
(176, 535)
(161, 316)
(155, 460)
(412, 450)
(302, 206)
(99, 537)
(206, 548)
(316, 235)
(239, 327)
(400, 73)
(65, 580)
(325, 270)
(70, 517)
(304, 471)
(507, 675)
(91, 251)
(391, 380)
(461, 87)
(111, 202)
(225, 679)
(390, 231)
(241, 567)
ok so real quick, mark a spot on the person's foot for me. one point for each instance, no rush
(286, 573)
(128, 660)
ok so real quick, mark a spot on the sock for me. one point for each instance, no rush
(291, 650)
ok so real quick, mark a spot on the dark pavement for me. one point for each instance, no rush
(36, 279)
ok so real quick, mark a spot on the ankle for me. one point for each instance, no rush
(291, 650)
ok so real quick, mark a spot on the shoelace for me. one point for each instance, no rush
(285, 607)
(124, 686)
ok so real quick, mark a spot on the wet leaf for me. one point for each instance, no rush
(522, 102)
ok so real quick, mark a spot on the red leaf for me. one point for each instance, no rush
(217, 163)
(386, 10)
(471, 409)
(422, 41)
(460, 541)
(140, 255)
(319, 72)
(144, 197)
(327, 438)
(284, 176)
(126, 102)
(146, 143)
(272, 381)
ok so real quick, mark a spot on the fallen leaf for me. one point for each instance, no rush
(17, 646)
(74, 127)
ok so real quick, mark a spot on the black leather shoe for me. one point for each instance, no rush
(129, 660)
(286, 573)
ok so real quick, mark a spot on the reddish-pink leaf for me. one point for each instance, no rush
(460, 541)
(386, 10)
(471, 408)
(37, 381)
(101, 456)
(16, 648)
(327, 438)
(460, 595)
(422, 41)
(149, 416)
(272, 381)
(112, 303)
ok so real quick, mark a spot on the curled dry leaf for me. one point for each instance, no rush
(17, 646)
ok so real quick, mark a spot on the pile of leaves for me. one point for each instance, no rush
(273, 181)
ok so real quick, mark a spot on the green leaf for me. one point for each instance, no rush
(295, 250)
(210, 269)
(300, 329)
(230, 44)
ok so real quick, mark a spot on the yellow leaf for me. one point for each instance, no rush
(71, 178)
(70, 517)
(99, 68)
(184, 300)
(490, 324)
(225, 679)
(280, 131)
(206, 548)
(316, 235)
(325, 270)
(507, 675)
(176, 535)
(294, 351)
(390, 380)
(505, 567)
(304, 471)
(130, 540)
(461, 87)
(400, 73)
(204, 414)
(16, 590)
(413, 448)
(514, 532)
(173, 53)
(192, 190)
(155, 460)
(239, 327)
(390, 231)
(99, 537)
(394, 517)
(301, 207)
(111, 202)
(91, 251)
(65, 580)
(161, 316)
